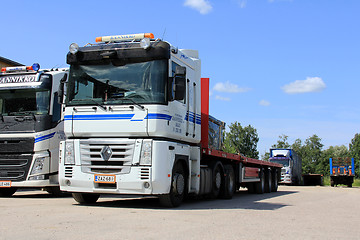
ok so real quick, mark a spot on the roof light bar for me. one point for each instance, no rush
(34, 67)
(127, 37)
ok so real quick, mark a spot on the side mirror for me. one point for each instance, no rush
(179, 83)
(61, 89)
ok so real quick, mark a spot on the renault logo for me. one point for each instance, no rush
(106, 153)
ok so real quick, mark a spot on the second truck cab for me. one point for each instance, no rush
(30, 128)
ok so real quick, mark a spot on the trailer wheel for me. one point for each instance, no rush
(217, 180)
(275, 184)
(228, 189)
(268, 181)
(332, 183)
(86, 198)
(177, 189)
(7, 192)
(260, 186)
(251, 187)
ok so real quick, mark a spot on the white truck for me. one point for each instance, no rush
(137, 122)
(291, 172)
(30, 128)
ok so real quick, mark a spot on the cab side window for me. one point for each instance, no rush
(56, 110)
(173, 70)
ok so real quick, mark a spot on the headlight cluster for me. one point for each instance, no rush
(69, 153)
(38, 165)
(146, 152)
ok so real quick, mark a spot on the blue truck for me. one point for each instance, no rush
(342, 171)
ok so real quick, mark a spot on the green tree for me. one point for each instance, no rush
(282, 142)
(311, 154)
(354, 151)
(298, 147)
(241, 140)
(265, 156)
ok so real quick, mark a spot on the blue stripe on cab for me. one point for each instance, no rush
(45, 137)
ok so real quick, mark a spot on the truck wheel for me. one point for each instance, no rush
(7, 192)
(260, 186)
(332, 182)
(268, 181)
(251, 187)
(275, 184)
(229, 188)
(177, 189)
(217, 180)
(86, 198)
(55, 191)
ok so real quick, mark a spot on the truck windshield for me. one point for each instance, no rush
(142, 82)
(284, 162)
(24, 101)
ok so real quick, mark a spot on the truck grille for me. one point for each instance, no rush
(145, 173)
(68, 172)
(14, 167)
(17, 145)
(106, 156)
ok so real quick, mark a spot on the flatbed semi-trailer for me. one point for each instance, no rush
(137, 122)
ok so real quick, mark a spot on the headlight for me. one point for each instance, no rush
(38, 165)
(146, 150)
(69, 153)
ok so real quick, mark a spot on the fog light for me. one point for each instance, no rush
(67, 182)
(39, 177)
(146, 184)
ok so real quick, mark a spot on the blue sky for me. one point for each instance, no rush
(284, 66)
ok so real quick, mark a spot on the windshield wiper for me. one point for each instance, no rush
(98, 104)
(135, 103)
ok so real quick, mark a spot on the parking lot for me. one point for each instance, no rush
(291, 213)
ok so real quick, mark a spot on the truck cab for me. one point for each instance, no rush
(30, 128)
(291, 170)
(132, 110)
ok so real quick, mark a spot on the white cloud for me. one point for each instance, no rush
(242, 3)
(217, 97)
(311, 84)
(203, 6)
(229, 88)
(264, 103)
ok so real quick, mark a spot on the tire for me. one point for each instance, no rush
(260, 186)
(251, 188)
(229, 186)
(86, 198)
(55, 191)
(7, 192)
(275, 183)
(177, 189)
(332, 183)
(268, 181)
(217, 180)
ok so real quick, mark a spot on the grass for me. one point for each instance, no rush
(327, 182)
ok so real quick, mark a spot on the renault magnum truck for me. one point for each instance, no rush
(30, 128)
(137, 122)
(291, 172)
